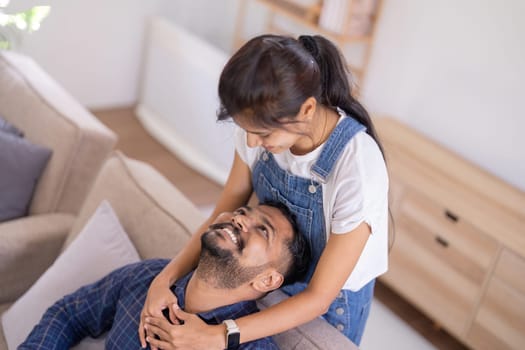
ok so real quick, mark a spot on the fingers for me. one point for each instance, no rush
(173, 317)
(181, 315)
(150, 334)
(162, 333)
(144, 332)
(142, 335)
(158, 344)
(160, 322)
(158, 298)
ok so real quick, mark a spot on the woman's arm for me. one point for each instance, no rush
(236, 192)
(335, 265)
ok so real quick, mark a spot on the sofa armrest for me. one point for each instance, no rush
(49, 116)
(316, 334)
(28, 246)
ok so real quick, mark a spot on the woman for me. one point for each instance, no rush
(304, 140)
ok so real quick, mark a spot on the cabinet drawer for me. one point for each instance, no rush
(511, 270)
(447, 235)
(437, 263)
(500, 321)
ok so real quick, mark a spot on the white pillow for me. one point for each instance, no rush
(101, 247)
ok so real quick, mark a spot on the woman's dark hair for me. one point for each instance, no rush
(270, 77)
(298, 247)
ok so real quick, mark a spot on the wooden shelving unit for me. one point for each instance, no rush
(306, 19)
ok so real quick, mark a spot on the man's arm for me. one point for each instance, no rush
(263, 343)
(87, 312)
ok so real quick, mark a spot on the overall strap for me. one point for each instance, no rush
(342, 134)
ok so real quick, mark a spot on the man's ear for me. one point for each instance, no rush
(307, 110)
(268, 281)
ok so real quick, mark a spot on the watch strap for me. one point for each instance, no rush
(233, 335)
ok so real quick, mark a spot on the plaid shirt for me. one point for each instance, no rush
(113, 305)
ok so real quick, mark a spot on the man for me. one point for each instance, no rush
(244, 255)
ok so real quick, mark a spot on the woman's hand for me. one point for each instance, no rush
(159, 298)
(192, 333)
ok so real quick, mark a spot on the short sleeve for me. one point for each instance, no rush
(247, 154)
(360, 186)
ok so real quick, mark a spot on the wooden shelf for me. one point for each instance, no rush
(307, 17)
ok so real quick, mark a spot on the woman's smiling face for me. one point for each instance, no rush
(275, 140)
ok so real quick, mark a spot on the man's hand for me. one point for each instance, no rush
(159, 298)
(192, 333)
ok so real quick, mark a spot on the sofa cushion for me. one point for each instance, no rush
(158, 218)
(22, 165)
(101, 247)
(10, 128)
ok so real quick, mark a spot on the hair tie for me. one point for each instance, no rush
(310, 45)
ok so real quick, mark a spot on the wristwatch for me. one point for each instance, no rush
(233, 335)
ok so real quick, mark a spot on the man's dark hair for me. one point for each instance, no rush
(298, 247)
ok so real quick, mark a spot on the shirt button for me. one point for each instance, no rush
(312, 189)
(265, 156)
(340, 295)
(339, 311)
(340, 327)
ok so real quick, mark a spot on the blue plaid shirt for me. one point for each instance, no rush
(113, 305)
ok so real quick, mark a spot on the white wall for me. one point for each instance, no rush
(93, 48)
(455, 71)
(451, 69)
(210, 19)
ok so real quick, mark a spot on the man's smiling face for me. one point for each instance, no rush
(243, 243)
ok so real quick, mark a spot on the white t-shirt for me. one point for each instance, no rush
(356, 191)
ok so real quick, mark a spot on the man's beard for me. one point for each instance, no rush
(219, 267)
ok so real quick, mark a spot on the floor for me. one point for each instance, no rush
(393, 323)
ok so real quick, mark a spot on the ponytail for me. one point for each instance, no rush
(336, 81)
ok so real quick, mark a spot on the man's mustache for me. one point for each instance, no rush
(221, 225)
(235, 230)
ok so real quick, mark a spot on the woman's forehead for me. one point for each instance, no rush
(254, 124)
(246, 118)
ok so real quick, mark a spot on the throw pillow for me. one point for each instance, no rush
(101, 247)
(10, 128)
(22, 164)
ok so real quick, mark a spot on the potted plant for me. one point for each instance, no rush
(13, 25)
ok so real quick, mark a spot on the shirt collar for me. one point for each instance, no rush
(217, 315)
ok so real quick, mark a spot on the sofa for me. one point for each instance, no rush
(154, 220)
(78, 143)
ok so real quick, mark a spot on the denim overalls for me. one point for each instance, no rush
(304, 197)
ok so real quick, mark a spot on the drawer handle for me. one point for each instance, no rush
(451, 216)
(442, 241)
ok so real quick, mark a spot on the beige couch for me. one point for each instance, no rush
(159, 221)
(49, 117)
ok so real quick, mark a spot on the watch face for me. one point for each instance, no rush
(233, 340)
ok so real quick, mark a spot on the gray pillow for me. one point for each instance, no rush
(10, 128)
(21, 165)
